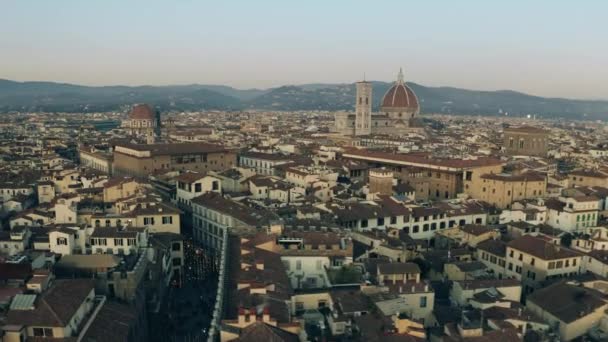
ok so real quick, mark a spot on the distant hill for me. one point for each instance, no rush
(61, 97)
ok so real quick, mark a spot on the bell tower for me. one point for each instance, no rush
(363, 108)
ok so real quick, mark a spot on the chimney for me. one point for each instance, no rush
(241, 316)
(266, 315)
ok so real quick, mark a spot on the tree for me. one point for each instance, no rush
(566, 240)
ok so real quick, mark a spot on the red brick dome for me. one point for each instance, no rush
(400, 96)
(142, 112)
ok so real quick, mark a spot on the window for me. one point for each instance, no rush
(167, 219)
(423, 302)
(130, 242)
(177, 261)
(363, 223)
(381, 221)
(198, 187)
(43, 332)
(176, 246)
(148, 221)
(62, 241)
(574, 262)
(118, 242)
(393, 220)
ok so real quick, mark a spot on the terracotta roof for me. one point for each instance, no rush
(541, 248)
(189, 177)
(567, 302)
(495, 247)
(56, 306)
(528, 176)
(113, 323)
(175, 149)
(398, 268)
(260, 331)
(421, 161)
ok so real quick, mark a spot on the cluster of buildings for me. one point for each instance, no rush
(323, 226)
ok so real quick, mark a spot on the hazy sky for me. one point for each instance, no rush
(551, 48)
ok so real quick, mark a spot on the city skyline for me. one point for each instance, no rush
(546, 48)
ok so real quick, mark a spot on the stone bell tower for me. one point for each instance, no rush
(363, 108)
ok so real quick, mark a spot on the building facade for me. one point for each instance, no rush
(143, 160)
(525, 140)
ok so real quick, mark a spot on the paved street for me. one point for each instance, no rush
(191, 305)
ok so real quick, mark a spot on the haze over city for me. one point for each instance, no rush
(303, 171)
(546, 48)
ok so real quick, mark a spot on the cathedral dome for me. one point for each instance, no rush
(400, 98)
(142, 112)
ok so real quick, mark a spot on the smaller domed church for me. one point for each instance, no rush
(143, 121)
(399, 109)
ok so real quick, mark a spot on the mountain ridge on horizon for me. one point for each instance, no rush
(67, 97)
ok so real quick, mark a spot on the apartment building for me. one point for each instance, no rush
(572, 214)
(263, 163)
(533, 259)
(308, 255)
(215, 215)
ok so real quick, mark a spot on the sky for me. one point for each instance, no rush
(549, 48)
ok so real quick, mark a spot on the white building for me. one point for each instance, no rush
(573, 214)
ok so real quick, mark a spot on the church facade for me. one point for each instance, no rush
(399, 109)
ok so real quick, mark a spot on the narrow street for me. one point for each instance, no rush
(191, 305)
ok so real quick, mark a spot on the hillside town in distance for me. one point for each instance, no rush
(375, 224)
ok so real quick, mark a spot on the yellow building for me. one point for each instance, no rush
(141, 160)
(526, 140)
(501, 189)
(432, 178)
(119, 187)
